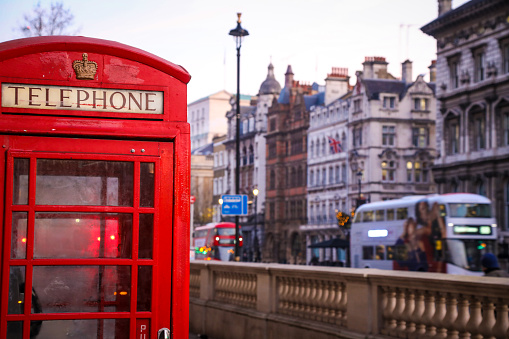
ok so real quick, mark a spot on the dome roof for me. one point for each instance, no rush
(270, 85)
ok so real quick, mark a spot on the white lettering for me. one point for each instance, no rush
(82, 98)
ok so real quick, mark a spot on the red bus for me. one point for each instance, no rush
(215, 241)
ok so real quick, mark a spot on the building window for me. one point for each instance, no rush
(357, 136)
(324, 176)
(417, 171)
(479, 65)
(505, 128)
(272, 211)
(272, 150)
(505, 56)
(389, 102)
(272, 180)
(343, 173)
(420, 136)
(453, 137)
(357, 106)
(477, 131)
(481, 188)
(273, 124)
(312, 149)
(388, 134)
(388, 171)
(421, 104)
(454, 72)
(331, 176)
(337, 174)
(323, 147)
(311, 178)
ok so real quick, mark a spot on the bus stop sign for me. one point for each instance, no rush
(234, 204)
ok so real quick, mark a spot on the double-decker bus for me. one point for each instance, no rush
(215, 241)
(437, 233)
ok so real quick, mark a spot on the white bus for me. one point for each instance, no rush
(437, 233)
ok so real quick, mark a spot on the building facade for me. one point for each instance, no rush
(286, 174)
(473, 101)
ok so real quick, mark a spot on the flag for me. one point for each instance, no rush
(335, 145)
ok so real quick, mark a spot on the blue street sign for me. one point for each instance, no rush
(234, 204)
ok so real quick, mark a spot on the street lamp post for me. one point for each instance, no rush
(359, 177)
(238, 34)
(256, 244)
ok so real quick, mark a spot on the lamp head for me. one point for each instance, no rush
(256, 191)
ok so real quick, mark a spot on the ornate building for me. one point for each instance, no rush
(473, 100)
(286, 174)
(253, 127)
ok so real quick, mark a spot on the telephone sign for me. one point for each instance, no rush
(95, 201)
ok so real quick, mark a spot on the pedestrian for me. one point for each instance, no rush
(490, 266)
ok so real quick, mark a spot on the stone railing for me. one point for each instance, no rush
(238, 300)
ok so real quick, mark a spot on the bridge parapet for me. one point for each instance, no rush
(244, 300)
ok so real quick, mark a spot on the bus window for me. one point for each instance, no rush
(443, 212)
(402, 213)
(367, 252)
(470, 210)
(379, 215)
(367, 216)
(390, 214)
(356, 217)
(390, 252)
(401, 253)
(380, 252)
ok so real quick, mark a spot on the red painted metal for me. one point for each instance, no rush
(34, 133)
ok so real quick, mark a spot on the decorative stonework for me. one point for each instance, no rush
(85, 69)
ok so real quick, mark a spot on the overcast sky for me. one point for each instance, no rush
(312, 36)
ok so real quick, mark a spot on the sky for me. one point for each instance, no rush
(311, 36)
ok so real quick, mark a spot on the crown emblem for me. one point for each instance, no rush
(84, 69)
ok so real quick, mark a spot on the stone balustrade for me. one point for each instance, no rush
(244, 300)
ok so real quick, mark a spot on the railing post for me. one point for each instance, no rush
(264, 292)
(206, 283)
(362, 305)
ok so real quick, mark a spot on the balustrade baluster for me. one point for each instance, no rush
(420, 327)
(429, 312)
(461, 322)
(390, 322)
(439, 316)
(451, 314)
(311, 299)
(319, 300)
(398, 313)
(331, 301)
(343, 303)
(488, 319)
(501, 328)
(475, 319)
(407, 314)
(283, 290)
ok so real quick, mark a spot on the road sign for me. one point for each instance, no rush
(234, 204)
(192, 199)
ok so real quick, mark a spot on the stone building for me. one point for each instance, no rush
(253, 128)
(379, 134)
(286, 174)
(391, 129)
(473, 101)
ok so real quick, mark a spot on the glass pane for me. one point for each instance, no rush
(15, 329)
(64, 289)
(16, 290)
(144, 288)
(20, 182)
(19, 235)
(146, 236)
(84, 182)
(147, 184)
(83, 235)
(89, 329)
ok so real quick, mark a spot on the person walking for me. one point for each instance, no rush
(490, 266)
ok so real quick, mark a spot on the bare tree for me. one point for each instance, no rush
(43, 21)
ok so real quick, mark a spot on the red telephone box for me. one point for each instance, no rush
(95, 152)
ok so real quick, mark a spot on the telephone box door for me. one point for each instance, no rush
(83, 224)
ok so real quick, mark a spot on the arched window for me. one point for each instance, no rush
(311, 178)
(244, 156)
(323, 147)
(312, 149)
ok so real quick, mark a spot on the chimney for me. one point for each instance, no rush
(433, 71)
(444, 6)
(336, 84)
(289, 77)
(374, 67)
(406, 71)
